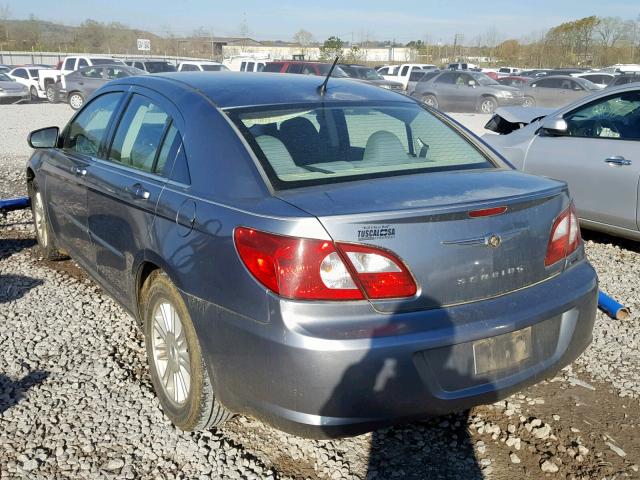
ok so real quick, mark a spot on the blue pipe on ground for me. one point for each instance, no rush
(612, 308)
(11, 204)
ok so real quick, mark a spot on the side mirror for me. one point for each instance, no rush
(44, 137)
(472, 83)
(555, 126)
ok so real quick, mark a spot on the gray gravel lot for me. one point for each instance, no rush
(76, 400)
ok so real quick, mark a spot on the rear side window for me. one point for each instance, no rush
(187, 67)
(294, 68)
(117, 71)
(93, 72)
(272, 67)
(172, 161)
(139, 134)
(69, 63)
(87, 130)
(82, 63)
(324, 144)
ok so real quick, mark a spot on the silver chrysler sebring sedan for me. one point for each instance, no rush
(329, 261)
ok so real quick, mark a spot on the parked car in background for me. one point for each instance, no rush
(403, 72)
(508, 72)
(625, 79)
(81, 84)
(420, 76)
(369, 75)
(193, 66)
(285, 248)
(4, 69)
(556, 90)
(12, 91)
(466, 91)
(462, 66)
(29, 76)
(491, 73)
(48, 77)
(593, 145)
(152, 66)
(304, 68)
(536, 73)
(622, 68)
(386, 69)
(515, 81)
(602, 79)
(245, 64)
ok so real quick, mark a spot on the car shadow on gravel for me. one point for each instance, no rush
(14, 287)
(11, 246)
(395, 382)
(601, 237)
(11, 392)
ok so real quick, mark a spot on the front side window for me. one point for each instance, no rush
(325, 144)
(243, 66)
(272, 67)
(87, 130)
(616, 117)
(21, 73)
(139, 134)
(187, 67)
(82, 63)
(69, 63)
(294, 68)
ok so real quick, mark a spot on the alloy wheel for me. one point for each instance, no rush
(76, 101)
(39, 219)
(171, 353)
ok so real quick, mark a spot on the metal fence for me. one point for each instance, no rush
(52, 58)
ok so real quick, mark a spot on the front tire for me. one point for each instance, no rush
(178, 372)
(44, 235)
(529, 102)
(487, 105)
(76, 100)
(430, 101)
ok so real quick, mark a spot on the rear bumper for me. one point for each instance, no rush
(11, 97)
(412, 365)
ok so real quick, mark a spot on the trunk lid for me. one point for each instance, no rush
(424, 219)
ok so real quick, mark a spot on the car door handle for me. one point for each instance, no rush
(80, 171)
(617, 161)
(138, 191)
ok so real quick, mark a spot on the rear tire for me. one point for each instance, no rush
(76, 100)
(52, 93)
(487, 105)
(178, 372)
(44, 235)
(430, 101)
(529, 102)
(34, 94)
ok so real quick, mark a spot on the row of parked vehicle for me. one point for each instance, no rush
(77, 77)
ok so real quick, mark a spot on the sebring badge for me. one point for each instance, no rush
(493, 241)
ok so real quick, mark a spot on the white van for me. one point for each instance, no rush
(245, 64)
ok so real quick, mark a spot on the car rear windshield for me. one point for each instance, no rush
(103, 61)
(213, 68)
(320, 144)
(158, 67)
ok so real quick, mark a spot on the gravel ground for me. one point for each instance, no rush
(76, 399)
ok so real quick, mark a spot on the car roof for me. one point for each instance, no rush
(238, 89)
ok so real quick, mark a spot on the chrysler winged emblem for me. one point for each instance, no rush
(493, 241)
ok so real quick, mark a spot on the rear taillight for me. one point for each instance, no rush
(308, 269)
(565, 236)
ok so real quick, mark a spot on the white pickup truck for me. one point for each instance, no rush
(48, 76)
(402, 73)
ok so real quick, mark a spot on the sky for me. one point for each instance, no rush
(436, 21)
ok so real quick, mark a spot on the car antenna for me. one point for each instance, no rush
(323, 88)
